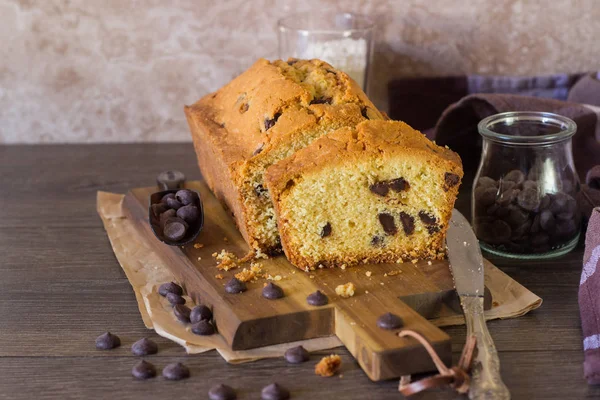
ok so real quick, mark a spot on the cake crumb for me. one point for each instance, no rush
(366, 292)
(274, 278)
(259, 254)
(329, 365)
(256, 267)
(245, 275)
(381, 283)
(368, 273)
(312, 277)
(346, 290)
(219, 276)
(199, 258)
(414, 261)
(392, 273)
(227, 259)
(225, 239)
(429, 262)
(385, 274)
(198, 245)
(343, 267)
(321, 266)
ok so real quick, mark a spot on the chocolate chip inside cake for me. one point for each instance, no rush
(379, 192)
(265, 115)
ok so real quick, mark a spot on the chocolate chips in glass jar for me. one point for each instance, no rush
(516, 214)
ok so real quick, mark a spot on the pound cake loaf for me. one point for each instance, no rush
(265, 115)
(377, 192)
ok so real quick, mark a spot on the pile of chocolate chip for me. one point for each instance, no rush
(514, 214)
(176, 212)
(200, 316)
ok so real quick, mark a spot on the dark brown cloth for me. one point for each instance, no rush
(457, 127)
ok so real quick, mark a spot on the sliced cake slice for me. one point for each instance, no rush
(379, 192)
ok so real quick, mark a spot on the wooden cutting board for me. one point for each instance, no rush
(248, 320)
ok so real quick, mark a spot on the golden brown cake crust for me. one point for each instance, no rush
(384, 140)
(264, 110)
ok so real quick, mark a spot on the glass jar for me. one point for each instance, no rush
(344, 40)
(523, 199)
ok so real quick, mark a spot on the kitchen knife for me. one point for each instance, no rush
(466, 264)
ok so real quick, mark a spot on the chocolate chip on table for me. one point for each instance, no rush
(399, 185)
(272, 292)
(175, 229)
(176, 372)
(175, 298)
(107, 341)
(387, 222)
(529, 199)
(222, 392)
(173, 203)
(182, 312)
(389, 321)
(326, 230)
(451, 180)
(164, 217)
(408, 223)
(317, 299)
(200, 313)
(380, 188)
(189, 213)
(158, 209)
(516, 176)
(270, 122)
(235, 286)
(203, 328)
(376, 241)
(186, 196)
(296, 355)
(170, 287)
(143, 370)
(274, 392)
(144, 347)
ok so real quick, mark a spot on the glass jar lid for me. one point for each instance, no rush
(527, 128)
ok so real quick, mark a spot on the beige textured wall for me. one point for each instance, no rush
(121, 70)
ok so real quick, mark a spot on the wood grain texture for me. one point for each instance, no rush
(248, 320)
(60, 287)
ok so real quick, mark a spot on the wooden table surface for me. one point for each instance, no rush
(61, 286)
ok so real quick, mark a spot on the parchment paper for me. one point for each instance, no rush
(145, 271)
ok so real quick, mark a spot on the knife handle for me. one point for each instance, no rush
(486, 382)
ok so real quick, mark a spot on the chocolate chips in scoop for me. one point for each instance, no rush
(296, 355)
(317, 299)
(186, 197)
(144, 347)
(107, 341)
(143, 370)
(272, 292)
(175, 229)
(176, 372)
(189, 213)
(222, 392)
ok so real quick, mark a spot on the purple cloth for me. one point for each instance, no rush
(589, 300)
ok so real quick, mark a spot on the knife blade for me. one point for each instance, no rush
(465, 256)
(466, 265)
